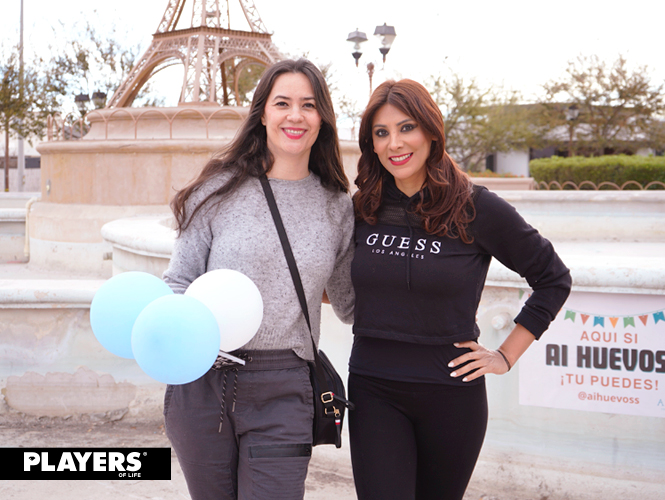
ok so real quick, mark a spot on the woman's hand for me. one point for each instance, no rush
(485, 360)
(480, 358)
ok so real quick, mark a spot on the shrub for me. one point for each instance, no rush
(618, 169)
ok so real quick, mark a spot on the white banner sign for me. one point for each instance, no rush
(603, 353)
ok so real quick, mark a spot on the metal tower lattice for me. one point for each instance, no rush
(204, 49)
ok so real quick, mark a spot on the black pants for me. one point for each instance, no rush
(263, 446)
(414, 441)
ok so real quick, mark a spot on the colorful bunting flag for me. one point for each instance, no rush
(627, 320)
(600, 319)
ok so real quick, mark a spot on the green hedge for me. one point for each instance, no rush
(618, 169)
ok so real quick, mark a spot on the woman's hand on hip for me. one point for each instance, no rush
(480, 359)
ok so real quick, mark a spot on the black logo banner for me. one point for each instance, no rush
(85, 463)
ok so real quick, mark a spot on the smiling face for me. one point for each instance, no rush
(292, 120)
(402, 147)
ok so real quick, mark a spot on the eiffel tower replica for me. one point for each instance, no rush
(206, 49)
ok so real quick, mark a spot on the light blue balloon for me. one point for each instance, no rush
(118, 303)
(175, 339)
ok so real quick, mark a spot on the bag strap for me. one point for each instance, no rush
(290, 259)
(327, 396)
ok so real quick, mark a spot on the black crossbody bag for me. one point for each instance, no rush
(330, 400)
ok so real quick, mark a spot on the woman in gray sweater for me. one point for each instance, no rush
(246, 431)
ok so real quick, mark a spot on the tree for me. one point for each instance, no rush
(346, 106)
(620, 110)
(25, 101)
(349, 108)
(248, 77)
(480, 122)
(95, 62)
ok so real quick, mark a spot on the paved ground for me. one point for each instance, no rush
(329, 472)
(328, 476)
(496, 477)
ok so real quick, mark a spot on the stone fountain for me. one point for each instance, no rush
(103, 209)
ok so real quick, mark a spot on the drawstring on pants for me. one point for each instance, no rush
(226, 365)
(235, 393)
(255, 360)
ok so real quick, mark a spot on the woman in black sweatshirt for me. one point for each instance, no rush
(425, 236)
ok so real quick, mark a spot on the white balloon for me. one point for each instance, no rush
(235, 302)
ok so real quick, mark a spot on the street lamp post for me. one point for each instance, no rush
(83, 101)
(386, 35)
(356, 38)
(99, 99)
(370, 73)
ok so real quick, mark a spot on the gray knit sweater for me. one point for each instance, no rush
(239, 233)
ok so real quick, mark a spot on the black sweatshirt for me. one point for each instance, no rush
(417, 288)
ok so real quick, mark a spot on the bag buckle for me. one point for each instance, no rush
(334, 411)
(327, 397)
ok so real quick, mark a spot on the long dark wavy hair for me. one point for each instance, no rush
(445, 205)
(248, 154)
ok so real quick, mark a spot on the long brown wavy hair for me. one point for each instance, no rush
(445, 205)
(248, 154)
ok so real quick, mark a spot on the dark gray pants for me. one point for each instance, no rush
(247, 437)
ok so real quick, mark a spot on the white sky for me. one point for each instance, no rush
(519, 44)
